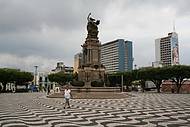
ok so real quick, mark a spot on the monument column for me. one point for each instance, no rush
(91, 69)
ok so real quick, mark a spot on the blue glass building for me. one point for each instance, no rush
(117, 56)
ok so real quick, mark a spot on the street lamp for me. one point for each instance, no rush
(122, 83)
(135, 66)
(35, 75)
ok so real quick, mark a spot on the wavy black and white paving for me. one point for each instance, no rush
(141, 109)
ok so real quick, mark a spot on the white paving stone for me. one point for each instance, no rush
(138, 110)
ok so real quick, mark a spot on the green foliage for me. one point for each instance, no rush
(156, 75)
(128, 77)
(77, 83)
(97, 83)
(23, 77)
(8, 75)
(114, 79)
(178, 74)
(60, 78)
(143, 73)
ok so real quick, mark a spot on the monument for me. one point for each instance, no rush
(91, 68)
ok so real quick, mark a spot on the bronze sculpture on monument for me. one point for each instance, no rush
(91, 68)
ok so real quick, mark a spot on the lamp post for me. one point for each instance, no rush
(135, 66)
(35, 75)
(122, 83)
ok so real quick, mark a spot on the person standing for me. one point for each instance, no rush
(48, 90)
(67, 96)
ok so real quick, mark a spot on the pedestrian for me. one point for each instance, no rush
(48, 90)
(13, 89)
(44, 89)
(67, 96)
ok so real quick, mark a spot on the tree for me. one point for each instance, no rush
(114, 79)
(130, 76)
(142, 76)
(1, 87)
(22, 78)
(157, 75)
(60, 77)
(8, 75)
(178, 74)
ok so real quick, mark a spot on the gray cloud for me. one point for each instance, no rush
(54, 30)
(27, 63)
(24, 15)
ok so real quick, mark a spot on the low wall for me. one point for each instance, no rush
(167, 86)
(94, 89)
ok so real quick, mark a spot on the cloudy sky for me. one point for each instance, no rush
(43, 32)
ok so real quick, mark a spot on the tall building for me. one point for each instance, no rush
(69, 70)
(117, 56)
(167, 50)
(62, 68)
(77, 61)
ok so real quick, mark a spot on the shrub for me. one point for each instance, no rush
(97, 83)
(77, 83)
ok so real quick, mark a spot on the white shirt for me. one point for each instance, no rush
(67, 93)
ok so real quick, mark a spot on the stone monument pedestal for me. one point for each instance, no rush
(91, 68)
(87, 84)
(89, 74)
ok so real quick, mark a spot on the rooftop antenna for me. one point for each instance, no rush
(173, 25)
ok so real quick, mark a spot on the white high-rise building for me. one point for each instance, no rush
(167, 50)
(117, 56)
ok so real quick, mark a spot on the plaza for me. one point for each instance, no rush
(137, 109)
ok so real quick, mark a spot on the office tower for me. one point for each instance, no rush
(167, 50)
(117, 56)
(77, 61)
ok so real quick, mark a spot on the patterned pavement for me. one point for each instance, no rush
(138, 110)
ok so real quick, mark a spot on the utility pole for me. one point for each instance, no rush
(35, 75)
(122, 83)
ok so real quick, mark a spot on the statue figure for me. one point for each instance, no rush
(92, 27)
